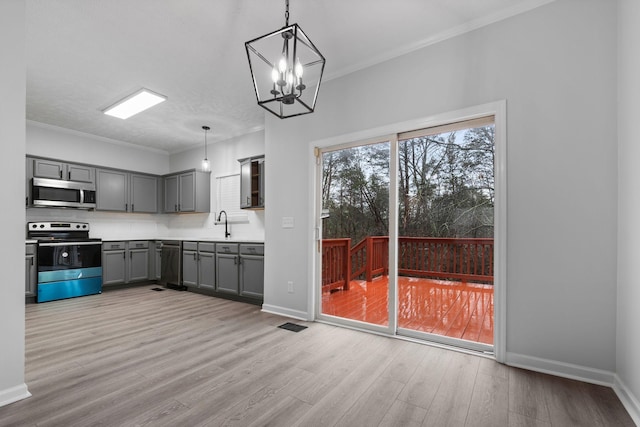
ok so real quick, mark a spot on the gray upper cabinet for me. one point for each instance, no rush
(111, 190)
(126, 192)
(252, 172)
(144, 193)
(44, 168)
(187, 192)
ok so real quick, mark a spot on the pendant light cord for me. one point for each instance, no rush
(206, 128)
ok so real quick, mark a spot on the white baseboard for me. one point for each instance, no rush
(561, 369)
(14, 394)
(287, 312)
(630, 402)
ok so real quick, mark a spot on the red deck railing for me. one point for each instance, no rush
(446, 258)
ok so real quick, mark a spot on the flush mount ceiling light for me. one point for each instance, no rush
(134, 103)
(286, 69)
(206, 166)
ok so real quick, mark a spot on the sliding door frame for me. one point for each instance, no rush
(389, 133)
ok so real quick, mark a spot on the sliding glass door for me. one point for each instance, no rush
(446, 198)
(406, 234)
(355, 229)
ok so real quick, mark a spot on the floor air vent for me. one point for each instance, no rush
(292, 327)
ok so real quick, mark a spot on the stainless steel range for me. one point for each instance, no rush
(69, 261)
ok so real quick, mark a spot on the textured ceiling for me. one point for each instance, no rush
(83, 55)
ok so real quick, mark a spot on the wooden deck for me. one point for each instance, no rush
(453, 309)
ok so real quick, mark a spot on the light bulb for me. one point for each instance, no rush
(206, 166)
(299, 69)
(274, 75)
(282, 65)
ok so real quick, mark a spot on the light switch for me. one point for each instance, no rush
(287, 222)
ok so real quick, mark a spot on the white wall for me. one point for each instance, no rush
(556, 68)
(628, 326)
(59, 143)
(12, 119)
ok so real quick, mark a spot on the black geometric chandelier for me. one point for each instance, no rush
(286, 69)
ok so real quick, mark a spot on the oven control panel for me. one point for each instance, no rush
(57, 226)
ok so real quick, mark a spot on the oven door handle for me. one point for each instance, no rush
(69, 243)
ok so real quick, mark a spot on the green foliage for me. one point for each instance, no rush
(445, 187)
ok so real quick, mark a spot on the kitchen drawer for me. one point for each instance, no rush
(206, 247)
(227, 248)
(190, 246)
(112, 246)
(247, 249)
(139, 244)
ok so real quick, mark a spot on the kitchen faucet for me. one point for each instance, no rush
(226, 230)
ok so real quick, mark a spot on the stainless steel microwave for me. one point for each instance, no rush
(58, 193)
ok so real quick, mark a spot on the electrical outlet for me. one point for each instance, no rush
(290, 286)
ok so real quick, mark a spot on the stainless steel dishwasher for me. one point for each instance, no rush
(171, 264)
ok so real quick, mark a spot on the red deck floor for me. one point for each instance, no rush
(453, 309)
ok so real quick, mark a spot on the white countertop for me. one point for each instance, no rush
(187, 239)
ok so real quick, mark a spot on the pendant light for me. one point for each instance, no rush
(206, 166)
(286, 69)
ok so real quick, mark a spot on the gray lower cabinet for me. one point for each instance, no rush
(31, 270)
(138, 254)
(252, 270)
(198, 265)
(157, 264)
(125, 262)
(190, 264)
(240, 269)
(228, 279)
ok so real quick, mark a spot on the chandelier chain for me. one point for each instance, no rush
(286, 14)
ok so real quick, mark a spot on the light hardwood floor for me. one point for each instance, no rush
(136, 356)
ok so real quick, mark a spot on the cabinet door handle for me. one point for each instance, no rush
(60, 173)
(175, 208)
(195, 256)
(126, 207)
(132, 209)
(124, 255)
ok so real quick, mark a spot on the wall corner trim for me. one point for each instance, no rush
(561, 369)
(629, 401)
(14, 394)
(287, 312)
